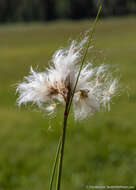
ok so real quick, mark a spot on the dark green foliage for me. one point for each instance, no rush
(46, 10)
(82, 9)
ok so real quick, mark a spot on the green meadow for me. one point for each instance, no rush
(100, 150)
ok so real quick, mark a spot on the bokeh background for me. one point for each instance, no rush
(100, 150)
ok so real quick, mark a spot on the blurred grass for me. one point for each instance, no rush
(100, 150)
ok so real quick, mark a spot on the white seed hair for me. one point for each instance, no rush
(94, 90)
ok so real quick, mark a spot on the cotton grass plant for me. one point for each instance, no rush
(73, 83)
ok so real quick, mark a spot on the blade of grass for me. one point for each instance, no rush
(62, 147)
(85, 54)
(55, 164)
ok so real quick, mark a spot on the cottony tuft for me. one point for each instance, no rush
(94, 90)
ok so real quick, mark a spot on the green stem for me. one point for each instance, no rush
(62, 147)
(55, 164)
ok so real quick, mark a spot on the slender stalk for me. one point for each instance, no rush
(62, 147)
(55, 164)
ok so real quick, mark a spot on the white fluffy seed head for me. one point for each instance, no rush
(94, 90)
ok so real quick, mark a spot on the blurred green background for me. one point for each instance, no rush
(100, 150)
